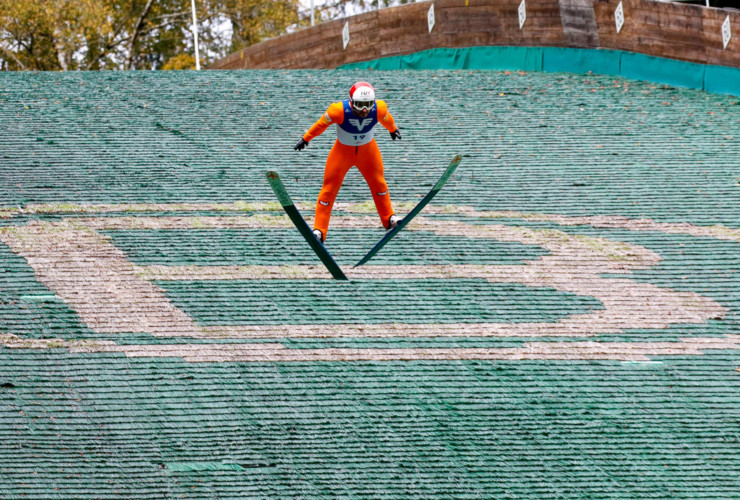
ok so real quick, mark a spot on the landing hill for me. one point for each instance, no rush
(561, 322)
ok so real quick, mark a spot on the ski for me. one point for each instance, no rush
(300, 223)
(393, 232)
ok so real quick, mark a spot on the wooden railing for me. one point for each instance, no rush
(678, 31)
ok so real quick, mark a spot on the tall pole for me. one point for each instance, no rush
(195, 37)
(312, 18)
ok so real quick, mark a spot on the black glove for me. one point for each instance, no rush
(300, 144)
(396, 135)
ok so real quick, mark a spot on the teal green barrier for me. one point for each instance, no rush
(718, 79)
(501, 58)
(448, 58)
(483, 58)
(561, 60)
(722, 80)
(661, 70)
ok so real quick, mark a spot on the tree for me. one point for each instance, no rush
(253, 21)
(91, 34)
(26, 36)
(145, 34)
(161, 30)
(129, 34)
(333, 9)
(61, 34)
(180, 62)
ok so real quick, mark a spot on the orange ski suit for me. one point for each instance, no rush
(343, 156)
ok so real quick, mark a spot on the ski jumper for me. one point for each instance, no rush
(355, 146)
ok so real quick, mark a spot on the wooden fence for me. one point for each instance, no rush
(678, 31)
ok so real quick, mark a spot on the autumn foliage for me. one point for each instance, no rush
(132, 34)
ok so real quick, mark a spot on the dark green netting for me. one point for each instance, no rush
(721, 79)
(103, 425)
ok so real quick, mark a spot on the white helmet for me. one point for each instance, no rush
(362, 97)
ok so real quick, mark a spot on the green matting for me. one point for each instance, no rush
(537, 143)
(267, 246)
(106, 426)
(97, 425)
(304, 302)
(722, 79)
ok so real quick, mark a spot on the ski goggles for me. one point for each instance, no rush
(363, 105)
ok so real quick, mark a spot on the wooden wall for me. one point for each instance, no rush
(678, 31)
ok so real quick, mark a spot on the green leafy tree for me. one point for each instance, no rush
(253, 21)
(333, 9)
(28, 38)
(69, 34)
(146, 34)
(161, 31)
(180, 62)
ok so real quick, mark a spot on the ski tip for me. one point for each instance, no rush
(367, 257)
(277, 186)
